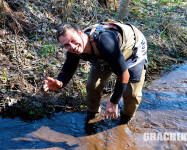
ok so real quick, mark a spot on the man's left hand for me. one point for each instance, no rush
(111, 110)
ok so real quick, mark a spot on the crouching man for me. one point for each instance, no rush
(111, 47)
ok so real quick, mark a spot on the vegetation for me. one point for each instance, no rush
(29, 51)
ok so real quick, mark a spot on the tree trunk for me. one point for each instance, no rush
(66, 10)
(123, 10)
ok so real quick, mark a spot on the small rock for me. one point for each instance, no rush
(50, 39)
(45, 39)
(53, 30)
(24, 51)
(37, 45)
(11, 101)
(3, 91)
(19, 60)
(59, 65)
(2, 33)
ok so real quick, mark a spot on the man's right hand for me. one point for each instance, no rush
(52, 84)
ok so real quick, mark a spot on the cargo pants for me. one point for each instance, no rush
(99, 77)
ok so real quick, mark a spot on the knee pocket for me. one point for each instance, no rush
(133, 96)
(94, 86)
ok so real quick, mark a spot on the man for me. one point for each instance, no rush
(111, 48)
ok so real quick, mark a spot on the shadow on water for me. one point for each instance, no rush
(65, 123)
(69, 130)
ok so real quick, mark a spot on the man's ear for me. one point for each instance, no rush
(80, 32)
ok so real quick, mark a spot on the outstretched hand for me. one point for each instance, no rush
(111, 110)
(52, 84)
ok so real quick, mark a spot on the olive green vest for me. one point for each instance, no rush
(129, 37)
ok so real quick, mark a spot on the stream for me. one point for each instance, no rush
(162, 112)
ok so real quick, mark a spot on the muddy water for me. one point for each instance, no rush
(163, 110)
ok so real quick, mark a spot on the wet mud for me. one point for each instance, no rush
(163, 110)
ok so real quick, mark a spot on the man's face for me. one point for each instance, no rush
(72, 41)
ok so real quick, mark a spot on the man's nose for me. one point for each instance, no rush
(72, 46)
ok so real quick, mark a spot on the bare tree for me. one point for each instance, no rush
(66, 10)
(123, 10)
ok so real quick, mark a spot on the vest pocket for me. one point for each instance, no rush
(127, 53)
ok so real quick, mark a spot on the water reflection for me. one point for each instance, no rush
(163, 100)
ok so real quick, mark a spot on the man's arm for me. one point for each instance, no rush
(65, 75)
(120, 87)
(69, 68)
(111, 110)
(110, 51)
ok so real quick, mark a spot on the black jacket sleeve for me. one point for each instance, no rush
(110, 51)
(69, 68)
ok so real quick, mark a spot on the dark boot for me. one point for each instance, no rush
(124, 119)
(91, 116)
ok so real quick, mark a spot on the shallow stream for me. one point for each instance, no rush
(163, 110)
